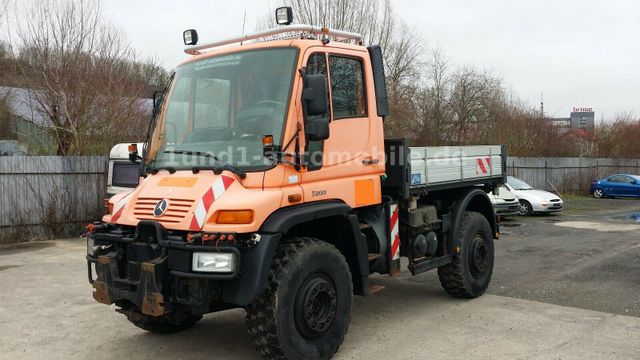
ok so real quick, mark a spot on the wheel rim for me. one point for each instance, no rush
(315, 307)
(478, 259)
(597, 193)
(524, 209)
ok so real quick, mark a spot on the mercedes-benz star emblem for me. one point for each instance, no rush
(160, 208)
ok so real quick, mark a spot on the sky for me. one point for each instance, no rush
(572, 53)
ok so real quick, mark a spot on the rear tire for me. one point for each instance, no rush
(305, 311)
(165, 324)
(598, 193)
(469, 274)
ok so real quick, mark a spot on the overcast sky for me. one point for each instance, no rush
(577, 53)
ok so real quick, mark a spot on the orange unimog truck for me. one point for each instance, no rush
(267, 184)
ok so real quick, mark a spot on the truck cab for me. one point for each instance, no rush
(268, 185)
(123, 175)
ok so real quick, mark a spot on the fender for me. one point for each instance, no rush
(474, 199)
(256, 262)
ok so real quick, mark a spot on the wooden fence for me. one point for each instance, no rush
(49, 196)
(572, 175)
(52, 196)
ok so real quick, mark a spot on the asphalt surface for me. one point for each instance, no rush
(565, 286)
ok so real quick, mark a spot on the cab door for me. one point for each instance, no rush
(350, 167)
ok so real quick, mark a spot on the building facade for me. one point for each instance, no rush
(580, 118)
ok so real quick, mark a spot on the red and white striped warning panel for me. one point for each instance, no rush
(484, 164)
(395, 233)
(118, 208)
(212, 194)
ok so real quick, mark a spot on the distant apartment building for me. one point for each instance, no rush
(580, 118)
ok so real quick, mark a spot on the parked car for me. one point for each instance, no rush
(533, 201)
(505, 203)
(616, 185)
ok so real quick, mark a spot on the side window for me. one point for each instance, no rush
(616, 179)
(347, 87)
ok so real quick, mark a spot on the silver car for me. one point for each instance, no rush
(533, 201)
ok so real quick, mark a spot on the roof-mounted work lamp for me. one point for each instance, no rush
(190, 37)
(284, 15)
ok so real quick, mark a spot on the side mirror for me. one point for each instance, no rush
(315, 103)
(157, 100)
(314, 94)
(317, 129)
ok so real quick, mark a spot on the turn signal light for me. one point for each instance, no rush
(233, 217)
(267, 140)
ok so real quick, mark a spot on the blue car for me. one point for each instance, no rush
(616, 185)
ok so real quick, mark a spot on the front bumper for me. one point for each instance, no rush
(507, 208)
(551, 207)
(150, 268)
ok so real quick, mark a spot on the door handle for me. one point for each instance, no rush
(370, 161)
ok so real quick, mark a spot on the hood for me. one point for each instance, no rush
(539, 195)
(185, 201)
(504, 195)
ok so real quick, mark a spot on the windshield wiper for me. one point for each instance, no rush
(168, 168)
(216, 169)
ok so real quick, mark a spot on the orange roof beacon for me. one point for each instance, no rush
(267, 184)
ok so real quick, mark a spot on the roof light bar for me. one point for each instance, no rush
(316, 30)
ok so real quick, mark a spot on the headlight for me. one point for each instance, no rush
(213, 262)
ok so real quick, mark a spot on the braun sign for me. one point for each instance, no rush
(582, 109)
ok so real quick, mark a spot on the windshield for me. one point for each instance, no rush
(518, 184)
(219, 108)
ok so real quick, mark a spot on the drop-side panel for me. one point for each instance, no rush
(451, 164)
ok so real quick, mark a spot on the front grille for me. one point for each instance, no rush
(555, 200)
(176, 211)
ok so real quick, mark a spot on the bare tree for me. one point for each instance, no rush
(4, 6)
(6, 130)
(81, 74)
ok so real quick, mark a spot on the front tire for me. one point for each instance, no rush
(305, 311)
(525, 208)
(469, 274)
(165, 324)
(598, 193)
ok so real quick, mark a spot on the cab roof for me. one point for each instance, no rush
(298, 35)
